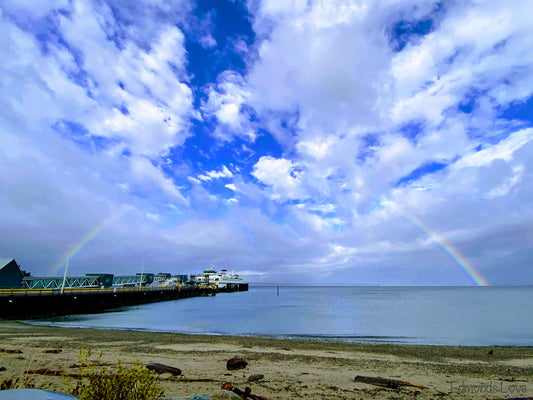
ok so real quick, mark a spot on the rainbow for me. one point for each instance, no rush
(478, 279)
(87, 238)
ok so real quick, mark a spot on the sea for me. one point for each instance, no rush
(468, 316)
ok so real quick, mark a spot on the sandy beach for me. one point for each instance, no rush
(292, 369)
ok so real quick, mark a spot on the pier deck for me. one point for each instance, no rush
(39, 303)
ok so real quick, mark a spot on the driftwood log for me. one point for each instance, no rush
(236, 363)
(10, 351)
(95, 364)
(162, 368)
(51, 372)
(52, 351)
(245, 394)
(385, 382)
(178, 379)
(255, 377)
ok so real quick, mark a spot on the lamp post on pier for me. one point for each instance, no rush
(66, 269)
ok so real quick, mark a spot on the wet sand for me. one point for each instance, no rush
(292, 369)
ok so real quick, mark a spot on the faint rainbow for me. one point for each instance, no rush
(87, 238)
(476, 276)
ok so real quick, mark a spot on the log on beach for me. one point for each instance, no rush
(255, 377)
(51, 372)
(179, 379)
(236, 363)
(11, 351)
(52, 351)
(245, 394)
(162, 368)
(386, 382)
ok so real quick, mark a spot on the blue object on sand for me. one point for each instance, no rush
(34, 394)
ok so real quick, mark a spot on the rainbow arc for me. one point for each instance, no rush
(467, 267)
(59, 265)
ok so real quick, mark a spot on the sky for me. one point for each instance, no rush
(384, 142)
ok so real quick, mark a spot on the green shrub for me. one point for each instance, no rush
(96, 382)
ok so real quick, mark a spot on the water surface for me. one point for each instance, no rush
(413, 315)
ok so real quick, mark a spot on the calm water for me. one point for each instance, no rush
(414, 315)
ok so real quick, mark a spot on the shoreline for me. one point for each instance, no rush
(341, 339)
(292, 368)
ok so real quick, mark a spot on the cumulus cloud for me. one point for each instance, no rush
(84, 113)
(141, 99)
(225, 102)
(504, 150)
(371, 116)
(144, 169)
(337, 137)
(322, 62)
(450, 62)
(135, 104)
(281, 176)
(211, 175)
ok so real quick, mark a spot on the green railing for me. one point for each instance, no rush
(33, 292)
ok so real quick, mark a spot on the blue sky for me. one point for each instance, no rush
(386, 142)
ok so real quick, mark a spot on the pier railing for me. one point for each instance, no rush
(39, 303)
(55, 291)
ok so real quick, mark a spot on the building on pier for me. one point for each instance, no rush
(10, 273)
(13, 277)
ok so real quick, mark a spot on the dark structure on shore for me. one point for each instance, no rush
(22, 296)
(10, 273)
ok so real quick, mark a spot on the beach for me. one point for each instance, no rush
(292, 369)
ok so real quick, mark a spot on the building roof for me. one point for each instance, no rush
(4, 261)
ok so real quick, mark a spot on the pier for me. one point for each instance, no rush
(24, 297)
(40, 303)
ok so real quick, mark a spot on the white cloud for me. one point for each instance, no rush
(225, 102)
(333, 63)
(281, 176)
(439, 71)
(231, 201)
(34, 9)
(194, 180)
(508, 184)
(212, 175)
(371, 139)
(143, 82)
(277, 8)
(317, 148)
(503, 150)
(395, 150)
(137, 101)
(143, 169)
(208, 41)
(323, 65)
(153, 217)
